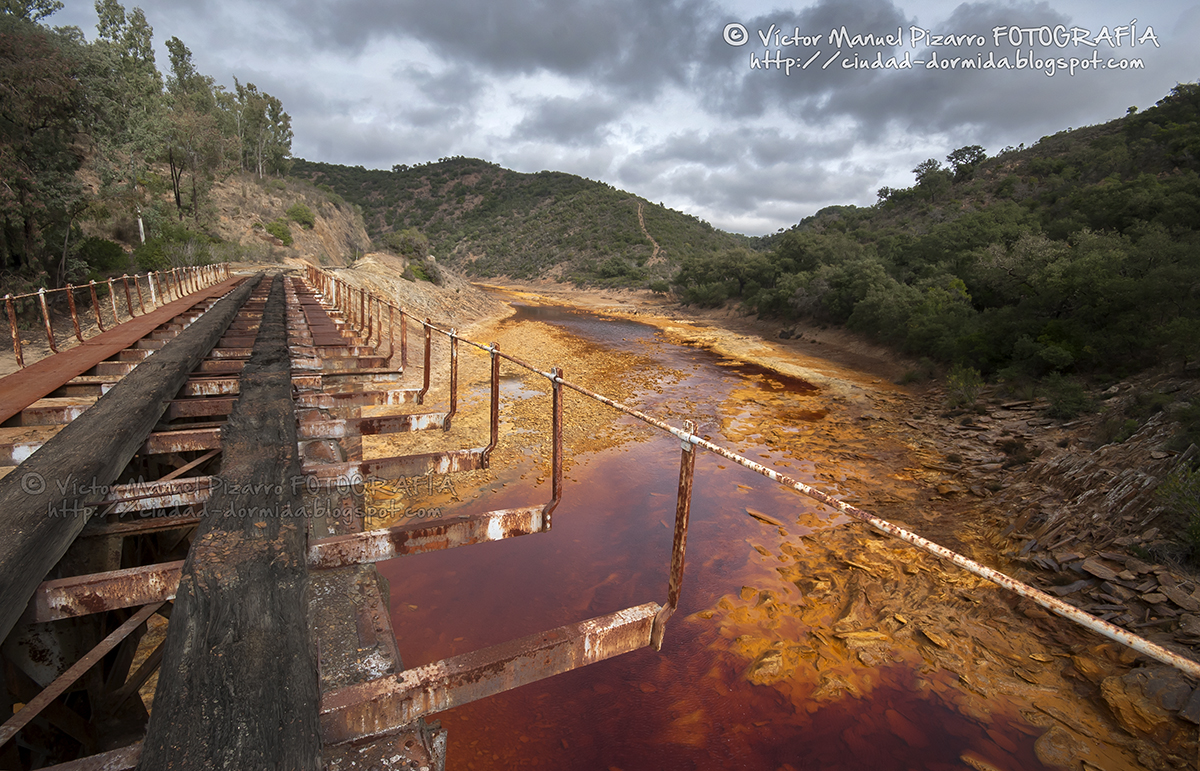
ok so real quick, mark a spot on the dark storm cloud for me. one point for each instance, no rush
(627, 44)
(735, 175)
(427, 99)
(735, 88)
(567, 121)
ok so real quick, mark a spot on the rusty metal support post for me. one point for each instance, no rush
(556, 454)
(495, 406)
(391, 333)
(112, 299)
(12, 325)
(683, 504)
(96, 306)
(370, 317)
(141, 300)
(128, 296)
(453, 379)
(74, 313)
(46, 319)
(428, 345)
(403, 340)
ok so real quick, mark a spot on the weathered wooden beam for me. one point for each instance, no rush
(238, 686)
(87, 455)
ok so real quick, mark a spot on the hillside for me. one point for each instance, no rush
(492, 221)
(1079, 255)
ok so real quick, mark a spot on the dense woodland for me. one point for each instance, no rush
(1080, 254)
(93, 132)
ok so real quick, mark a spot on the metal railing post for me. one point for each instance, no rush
(556, 454)
(495, 405)
(16, 334)
(453, 380)
(96, 306)
(683, 504)
(46, 319)
(74, 314)
(428, 344)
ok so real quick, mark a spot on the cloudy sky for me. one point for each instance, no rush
(680, 101)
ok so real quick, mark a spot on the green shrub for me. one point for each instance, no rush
(1068, 398)
(659, 286)
(1115, 431)
(925, 370)
(1189, 428)
(302, 215)
(962, 386)
(1180, 493)
(281, 230)
(408, 243)
(102, 255)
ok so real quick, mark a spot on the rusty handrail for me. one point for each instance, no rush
(1050, 603)
(197, 277)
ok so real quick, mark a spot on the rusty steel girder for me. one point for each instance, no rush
(357, 472)
(384, 544)
(389, 703)
(62, 598)
(339, 428)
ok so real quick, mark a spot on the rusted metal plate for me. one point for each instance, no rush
(166, 442)
(193, 408)
(147, 496)
(228, 352)
(52, 411)
(221, 366)
(383, 705)
(329, 401)
(98, 592)
(210, 386)
(356, 473)
(16, 453)
(338, 428)
(384, 544)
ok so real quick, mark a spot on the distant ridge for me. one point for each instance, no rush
(492, 221)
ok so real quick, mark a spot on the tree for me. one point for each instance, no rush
(263, 129)
(30, 10)
(125, 90)
(932, 179)
(193, 132)
(964, 160)
(40, 107)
